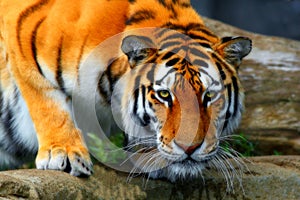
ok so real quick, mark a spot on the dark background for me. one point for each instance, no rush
(269, 17)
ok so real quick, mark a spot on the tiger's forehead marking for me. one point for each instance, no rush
(200, 73)
(182, 56)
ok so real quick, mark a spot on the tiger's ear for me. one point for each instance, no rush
(137, 48)
(234, 49)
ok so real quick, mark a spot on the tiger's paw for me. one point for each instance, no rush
(75, 160)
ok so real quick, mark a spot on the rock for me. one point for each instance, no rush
(266, 178)
(39, 184)
(270, 76)
(274, 177)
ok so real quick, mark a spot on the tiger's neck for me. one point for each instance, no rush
(178, 15)
(157, 13)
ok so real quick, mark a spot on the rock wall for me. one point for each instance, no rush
(270, 75)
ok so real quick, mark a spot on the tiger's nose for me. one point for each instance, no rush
(188, 149)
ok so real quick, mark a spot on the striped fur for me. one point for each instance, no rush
(177, 83)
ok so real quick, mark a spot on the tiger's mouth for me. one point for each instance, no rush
(152, 157)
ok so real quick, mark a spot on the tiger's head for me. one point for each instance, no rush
(180, 97)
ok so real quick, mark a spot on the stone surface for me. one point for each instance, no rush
(270, 75)
(273, 177)
(266, 178)
(38, 184)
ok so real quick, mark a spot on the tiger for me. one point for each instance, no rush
(173, 82)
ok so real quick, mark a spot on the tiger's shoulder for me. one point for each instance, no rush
(46, 25)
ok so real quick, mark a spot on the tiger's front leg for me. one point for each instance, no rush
(61, 144)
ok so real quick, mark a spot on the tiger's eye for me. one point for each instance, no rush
(164, 94)
(210, 94)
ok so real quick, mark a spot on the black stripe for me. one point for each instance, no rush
(198, 53)
(150, 74)
(175, 27)
(146, 117)
(153, 96)
(163, 3)
(160, 32)
(172, 62)
(208, 32)
(168, 55)
(206, 45)
(198, 43)
(136, 98)
(16, 95)
(215, 57)
(170, 25)
(106, 78)
(80, 57)
(204, 30)
(190, 27)
(194, 26)
(144, 96)
(109, 76)
(132, 1)
(236, 95)
(184, 28)
(228, 113)
(206, 99)
(200, 63)
(140, 16)
(11, 143)
(7, 120)
(171, 53)
(167, 45)
(24, 15)
(221, 71)
(175, 36)
(197, 37)
(137, 82)
(104, 91)
(33, 45)
(175, 50)
(185, 5)
(59, 70)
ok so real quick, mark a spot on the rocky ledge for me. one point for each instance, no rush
(271, 177)
(270, 75)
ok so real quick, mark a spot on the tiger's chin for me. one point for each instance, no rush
(185, 170)
(175, 167)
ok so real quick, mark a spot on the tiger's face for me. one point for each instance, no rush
(178, 100)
